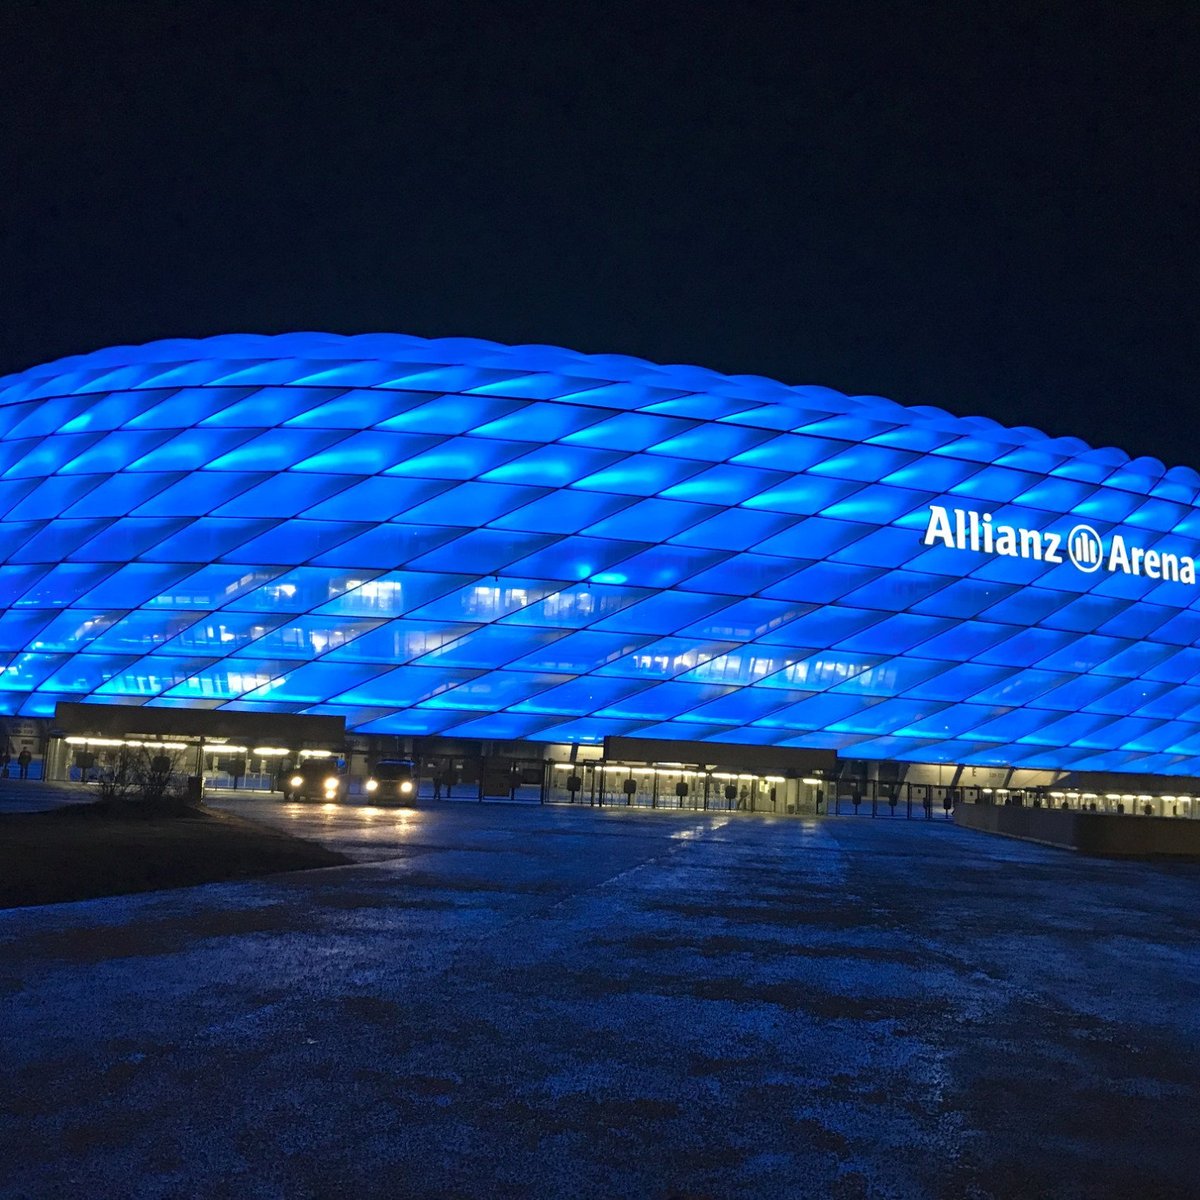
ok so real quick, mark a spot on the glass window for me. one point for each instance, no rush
(26, 671)
(664, 700)
(210, 587)
(83, 673)
(505, 726)
(497, 689)
(314, 682)
(581, 697)
(747, 619)
(302, 589)
(581, 651)
(73, 629)
(399, 641)
(390, 595)
(404, 686)
(492, 646)
(576, 606)
(744, 705)
(303, 637)
(149, 676)
(140, 632)
(483, 600)
(63, 584)
(663, 658)
(214, 633)
(18, 627)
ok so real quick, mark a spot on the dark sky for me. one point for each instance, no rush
(991, 208)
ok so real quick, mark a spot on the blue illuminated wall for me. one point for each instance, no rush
(455, 537)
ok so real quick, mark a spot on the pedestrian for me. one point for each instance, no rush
(23, 761)
(5, 759)
(437, 785)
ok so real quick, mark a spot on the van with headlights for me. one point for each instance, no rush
(315, 779)
(393, 779)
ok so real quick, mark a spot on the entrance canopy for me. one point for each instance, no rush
(125, 720)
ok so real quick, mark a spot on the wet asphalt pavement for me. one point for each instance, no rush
(503, 1001)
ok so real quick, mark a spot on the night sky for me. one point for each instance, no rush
(990, 208)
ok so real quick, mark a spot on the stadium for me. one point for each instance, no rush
(475, 552)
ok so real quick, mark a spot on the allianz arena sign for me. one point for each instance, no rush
(1082, 546)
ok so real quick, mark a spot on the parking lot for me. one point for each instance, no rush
(504, 1000)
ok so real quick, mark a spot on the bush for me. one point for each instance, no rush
(146, 774)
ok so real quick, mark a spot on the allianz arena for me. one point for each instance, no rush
(455, 539)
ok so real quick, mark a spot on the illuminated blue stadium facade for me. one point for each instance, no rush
(476, 541)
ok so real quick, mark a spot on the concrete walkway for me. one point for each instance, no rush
(506, 1001)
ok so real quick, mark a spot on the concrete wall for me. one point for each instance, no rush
(1106, 834)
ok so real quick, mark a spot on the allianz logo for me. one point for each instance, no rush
(1082, 546)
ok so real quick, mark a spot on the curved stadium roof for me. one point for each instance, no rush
(462, 538)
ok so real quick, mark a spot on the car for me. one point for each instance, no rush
(315, 779)
(394, 779)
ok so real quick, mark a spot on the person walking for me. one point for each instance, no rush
(23, 761)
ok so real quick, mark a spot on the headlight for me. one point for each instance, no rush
(331, 784)
(372, 785)
(406, 787)
(297, 781)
